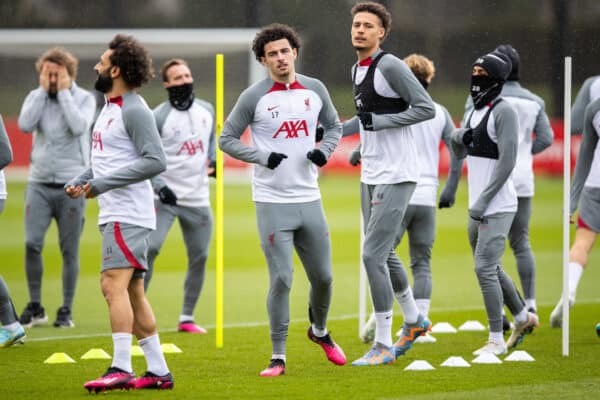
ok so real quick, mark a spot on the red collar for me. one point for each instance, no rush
(366, 62)
(282, 86)
(118, 100)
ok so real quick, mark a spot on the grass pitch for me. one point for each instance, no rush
(202, 371)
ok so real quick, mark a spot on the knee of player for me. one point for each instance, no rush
(282, 282)
(33, 246)
(371, 258)
(484, 269)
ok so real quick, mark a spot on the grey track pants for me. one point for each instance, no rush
(488, 241)
(196, 227)
(301, 226)
(419, 222)
(518, 237)
(8, 314)
(383, 208)
(42, 204)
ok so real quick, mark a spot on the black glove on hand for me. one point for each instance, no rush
(319, 134)
(366, 119)
(275, 159)
(167, 196)
(317, 157)
(467, 138)
(444, 203)
(213, 164)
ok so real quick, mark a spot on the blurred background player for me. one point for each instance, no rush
(282, 112)
(589, 92)
(419, 219)
(585, 195)
(532, 117)
(59, 113)
(489, 139)
(389, 100)
(187, 129)
(126, 153)
(11, 331)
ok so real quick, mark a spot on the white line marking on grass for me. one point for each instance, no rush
(254, 324)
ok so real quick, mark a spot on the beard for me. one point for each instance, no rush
(104, 82)
(52, 92)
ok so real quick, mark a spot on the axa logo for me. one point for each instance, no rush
(292, 129)
(97, 141)
(190, 147)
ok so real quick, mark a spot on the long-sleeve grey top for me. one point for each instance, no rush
(6, 155)
(587, 150)
(60, 132)
(590, 91)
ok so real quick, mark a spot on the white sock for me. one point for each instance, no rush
(530, 303)
(319, 332)
(408, 306)
(185, 318)
(423, 307)
(575, 271)
(154, 355)
(522, 316)
(496, 337)
(278, 357)
(122, 351)
(383, 328)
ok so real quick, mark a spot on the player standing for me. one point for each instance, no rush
(126, 152)
(282, 112)
(187, 130)
(59, 113)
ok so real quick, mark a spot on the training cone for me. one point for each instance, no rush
(487, 358)
(59, 358)
(443, 327)
(136, 351)
(96, 354)
(474, 326)
(519, 355)
(426, 338)
(419, 365)
(455, 361)
(170, 348)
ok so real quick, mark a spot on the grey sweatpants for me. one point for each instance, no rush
(196, 227)
(302, 226)
(383, 208)
(419, 222)
(8, 314)
(518, 237)
(488, 241)
(42, 204)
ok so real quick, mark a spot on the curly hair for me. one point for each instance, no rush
(60, 56)
(421, 66)
(170, 63)
(272, 33)
(132, 59)
(378, 9)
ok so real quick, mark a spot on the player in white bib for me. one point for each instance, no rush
(489, 140)
(126, 153)
(187, 130)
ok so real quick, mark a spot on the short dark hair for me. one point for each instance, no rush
(170, 63)
(60, 56)
(378, 9)
(132, 59)
(272, 33)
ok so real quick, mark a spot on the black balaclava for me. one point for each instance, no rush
(515, 60)
(181, 97)
(485, 88)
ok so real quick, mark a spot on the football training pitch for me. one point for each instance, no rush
(202, 371)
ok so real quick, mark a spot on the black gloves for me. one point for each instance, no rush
(317, 157)
(167, 196)
(366, 119)
(275, 159)
(444, 203)
(213, 164)
(467, 138)
(319, 134)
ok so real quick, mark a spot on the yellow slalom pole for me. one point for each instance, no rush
(219, 206)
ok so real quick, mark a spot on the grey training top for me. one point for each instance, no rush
(60, 132)
(6, 155)
(587, 149)
(583, 99)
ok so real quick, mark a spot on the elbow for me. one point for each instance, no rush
(429, 111)
(24, 126)
(223, 143)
